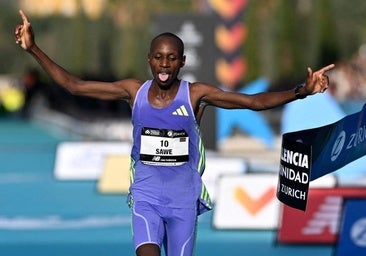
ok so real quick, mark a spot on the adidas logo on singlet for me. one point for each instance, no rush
(181, 111)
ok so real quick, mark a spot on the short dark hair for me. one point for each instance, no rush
(172, 36)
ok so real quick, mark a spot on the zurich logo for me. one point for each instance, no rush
(358, 232)
(338, 146)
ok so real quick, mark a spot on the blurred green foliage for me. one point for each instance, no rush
(284, 37)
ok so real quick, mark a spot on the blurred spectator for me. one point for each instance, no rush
(32, 85)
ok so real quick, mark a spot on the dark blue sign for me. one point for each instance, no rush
(352, 235)
(294, 174)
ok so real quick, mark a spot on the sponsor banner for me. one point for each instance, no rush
(246, 201)
(85, 160)
(334, 145)
(352, 237)
(293, 177)
(320, 223)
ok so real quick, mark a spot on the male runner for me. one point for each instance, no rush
(167, 158)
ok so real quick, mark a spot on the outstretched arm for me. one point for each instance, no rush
(316, 82)
(124, 89)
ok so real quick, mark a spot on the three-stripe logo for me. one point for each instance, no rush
(181, 111)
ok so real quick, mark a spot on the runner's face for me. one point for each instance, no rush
(165, 59)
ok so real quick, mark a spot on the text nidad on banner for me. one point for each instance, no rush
(294, 174)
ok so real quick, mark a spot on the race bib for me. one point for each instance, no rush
(164, 147)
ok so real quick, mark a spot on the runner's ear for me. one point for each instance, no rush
(183, 62)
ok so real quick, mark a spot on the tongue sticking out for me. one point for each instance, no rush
(163, 77)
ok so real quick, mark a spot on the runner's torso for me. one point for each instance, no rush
(167, 155)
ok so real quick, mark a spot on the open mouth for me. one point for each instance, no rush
(163, 77)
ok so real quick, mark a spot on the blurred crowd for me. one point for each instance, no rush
(348, 79)
(24, 96)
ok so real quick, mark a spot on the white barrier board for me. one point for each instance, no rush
(85, 160)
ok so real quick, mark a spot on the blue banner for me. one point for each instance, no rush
(335, 145)
(352, 235)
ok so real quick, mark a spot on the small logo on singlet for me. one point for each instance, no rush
(156, 158)
(151, 132)
(181, 111)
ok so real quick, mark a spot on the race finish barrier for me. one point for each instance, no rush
(309, 154)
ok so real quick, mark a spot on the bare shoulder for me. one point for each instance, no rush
(129, 86)
(200, 93)
(129, 83)
(202, 89)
